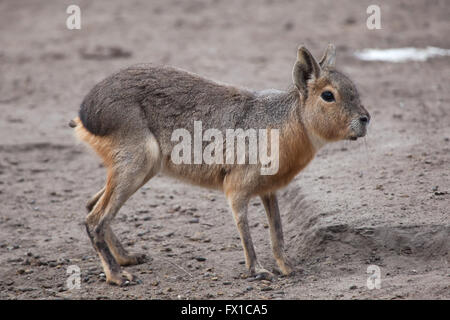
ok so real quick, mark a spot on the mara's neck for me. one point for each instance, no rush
(298, 116)
(286, 109)
(297, 144)
(296, 147)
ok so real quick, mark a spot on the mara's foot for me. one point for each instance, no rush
(285, 268)
(262, 274)
(122, 278)
(132, 259)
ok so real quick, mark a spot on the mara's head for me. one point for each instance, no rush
(331, 109)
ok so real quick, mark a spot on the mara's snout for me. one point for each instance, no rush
(358, 126)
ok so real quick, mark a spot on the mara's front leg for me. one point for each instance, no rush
(239, 204)
(276, 232)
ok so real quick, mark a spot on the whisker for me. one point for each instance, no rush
(367, 150)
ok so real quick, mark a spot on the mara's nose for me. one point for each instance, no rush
(364, 119)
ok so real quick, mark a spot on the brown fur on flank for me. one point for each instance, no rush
(129, 118)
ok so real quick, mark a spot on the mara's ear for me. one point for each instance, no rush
(305, 68)
(329, 57)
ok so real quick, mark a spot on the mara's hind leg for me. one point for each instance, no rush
(93, 201)
(122, 256)
(133, 163)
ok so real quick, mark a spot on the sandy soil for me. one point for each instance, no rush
(383, 200)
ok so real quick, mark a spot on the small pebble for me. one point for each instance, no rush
(267, 288)
(200, 259)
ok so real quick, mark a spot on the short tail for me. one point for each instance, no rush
(74, 122)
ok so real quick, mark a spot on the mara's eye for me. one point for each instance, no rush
(327, 96)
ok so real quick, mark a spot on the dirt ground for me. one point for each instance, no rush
(383, 200)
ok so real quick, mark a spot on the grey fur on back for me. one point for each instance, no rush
(167, 98)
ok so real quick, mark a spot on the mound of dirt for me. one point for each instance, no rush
(314, 235)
